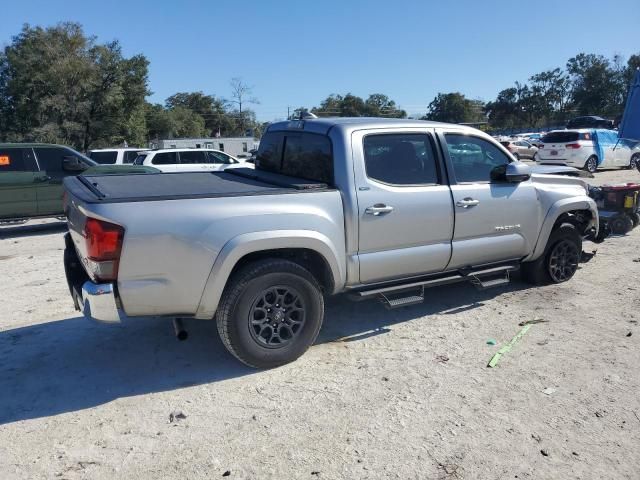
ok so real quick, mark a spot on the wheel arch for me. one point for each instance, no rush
(581, 212)
(310, 249)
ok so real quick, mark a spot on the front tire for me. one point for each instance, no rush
(560, 259)
(591, 165)
(635, 161)
(270, 313)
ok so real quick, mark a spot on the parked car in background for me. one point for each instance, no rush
(588, 149)
(189, 160)
(534, 139)
(31, 176)
(520, 148)
(589, 121)
(114, 156)
(377, 208)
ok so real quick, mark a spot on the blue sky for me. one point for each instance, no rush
(295, 53)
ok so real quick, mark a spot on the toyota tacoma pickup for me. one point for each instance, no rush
(374, 208)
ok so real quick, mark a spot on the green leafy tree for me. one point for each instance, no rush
(379, 105)
(158, 121)
(595, 85)
(454, 108)
(58, 85)
(349, 105)
(186, 123)
(217, 118)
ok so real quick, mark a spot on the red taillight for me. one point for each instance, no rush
(572, 145)
(104, 243)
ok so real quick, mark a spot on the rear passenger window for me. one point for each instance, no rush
(165, 158)
(12, 160)
(401, 159)
(473, 158)
(193, 157)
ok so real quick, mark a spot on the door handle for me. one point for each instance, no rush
(378, 209)
(467, 202)
(43, 179)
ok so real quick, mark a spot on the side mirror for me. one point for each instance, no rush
(72, 164)
(514, 172)
(517, 172)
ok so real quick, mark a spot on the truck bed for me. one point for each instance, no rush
(173, 186)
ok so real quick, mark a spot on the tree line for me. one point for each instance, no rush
(58, 85)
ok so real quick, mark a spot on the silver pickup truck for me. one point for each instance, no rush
(375, 208)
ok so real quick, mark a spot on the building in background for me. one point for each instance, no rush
(236, 146)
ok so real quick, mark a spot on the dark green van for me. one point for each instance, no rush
(31, 177)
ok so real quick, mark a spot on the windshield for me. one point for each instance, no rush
(560, 137)
(84, 159)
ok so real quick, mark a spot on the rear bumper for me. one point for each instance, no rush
(97, 301)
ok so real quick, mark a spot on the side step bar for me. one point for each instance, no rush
(402, 295)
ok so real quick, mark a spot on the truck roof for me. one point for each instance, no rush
(324, 124)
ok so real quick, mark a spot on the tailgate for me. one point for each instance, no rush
(553, 150)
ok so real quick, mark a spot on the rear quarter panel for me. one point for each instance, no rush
(170, 246)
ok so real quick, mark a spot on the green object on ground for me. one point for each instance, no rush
(508, 346)
(491, 341)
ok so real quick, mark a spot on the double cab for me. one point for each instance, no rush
(374, 208)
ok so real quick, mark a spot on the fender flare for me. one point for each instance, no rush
(557, 209)
(247, 243)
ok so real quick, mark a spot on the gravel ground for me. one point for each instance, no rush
(383, 394)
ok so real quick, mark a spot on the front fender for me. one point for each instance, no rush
(558, 208)
(247, 243)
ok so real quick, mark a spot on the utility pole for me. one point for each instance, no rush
(288, 114)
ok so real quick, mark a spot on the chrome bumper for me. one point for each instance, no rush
(99, 303)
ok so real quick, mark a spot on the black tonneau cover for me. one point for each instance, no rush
(173, 186)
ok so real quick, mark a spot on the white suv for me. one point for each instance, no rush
(189, 160)
(588, 149)
(114, 156)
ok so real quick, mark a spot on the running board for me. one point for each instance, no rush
(402, 295)
(481, 284)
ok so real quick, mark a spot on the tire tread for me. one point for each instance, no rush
(236, 285)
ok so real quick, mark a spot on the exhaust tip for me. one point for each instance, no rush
(180, 331)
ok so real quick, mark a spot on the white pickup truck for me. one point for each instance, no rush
(374, 208)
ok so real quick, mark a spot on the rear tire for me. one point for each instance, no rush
(560, 259)
(635, 218)
(591, 165)
(635, 161)
(270, 313)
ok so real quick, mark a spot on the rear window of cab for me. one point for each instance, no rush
(297, 154)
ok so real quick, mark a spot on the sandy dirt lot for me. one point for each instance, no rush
(383, 394)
